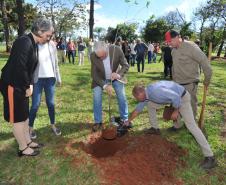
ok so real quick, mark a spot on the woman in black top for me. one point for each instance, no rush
(16, 83)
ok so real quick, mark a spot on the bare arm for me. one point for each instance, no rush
(133, 115)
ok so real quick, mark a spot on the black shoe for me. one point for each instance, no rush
(152, 130)
(34, 153)
(40, 145)
(118, 120)
(173, 129)
(121, 122)
(122, 130)
(97, 127)
(208, 163)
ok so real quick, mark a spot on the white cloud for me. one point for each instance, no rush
(96, 6)
(186, 7)
(101, 20)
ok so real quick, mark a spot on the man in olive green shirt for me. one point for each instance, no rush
(187, 57)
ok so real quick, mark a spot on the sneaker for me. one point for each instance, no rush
(208, 163)
(56, 131)
(97, 127)
(33, 134)
(152, 130)
(121, 122)
(118, 120)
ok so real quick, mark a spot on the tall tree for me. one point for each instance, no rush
(125, 31)
(55, 10)
(91, 19)
(67, 21)
(99, 32)
(174, 19)
(155, 29)
(218, 20)
(201, 14)
(21, 21)
(212, 18)
(5, 23)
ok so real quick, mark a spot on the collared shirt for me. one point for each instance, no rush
(163, 92)
(107, 67)
(186, 61)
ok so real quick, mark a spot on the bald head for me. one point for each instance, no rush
(139, 92)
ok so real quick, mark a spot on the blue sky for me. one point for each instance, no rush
(111, 12)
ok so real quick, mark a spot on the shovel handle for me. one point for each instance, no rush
(201, 118)
(109, 108)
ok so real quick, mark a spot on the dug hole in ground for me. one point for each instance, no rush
(144, 159)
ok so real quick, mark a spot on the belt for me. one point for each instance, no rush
(183, 93)
(190, 83)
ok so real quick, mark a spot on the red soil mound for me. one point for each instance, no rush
(109, 133)
(135, 160)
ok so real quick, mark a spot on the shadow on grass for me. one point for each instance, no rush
(81, 81)
(68, 129)
(5, 136)
(46, 135)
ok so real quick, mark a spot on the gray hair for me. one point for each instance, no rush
(41, 24)
(100, 46)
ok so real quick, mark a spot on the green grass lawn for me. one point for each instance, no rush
(74, 111)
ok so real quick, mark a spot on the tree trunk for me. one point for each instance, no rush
(220, 48)
(21, 21)
(5, 23)
(91, 19)
(52, 15)
(201, 32)
(222, 43)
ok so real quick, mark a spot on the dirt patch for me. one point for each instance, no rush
(98, 147)
(109, 133)
(145, 159)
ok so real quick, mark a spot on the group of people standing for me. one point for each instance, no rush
(33, 66)
(71, 48)
(137, 52)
